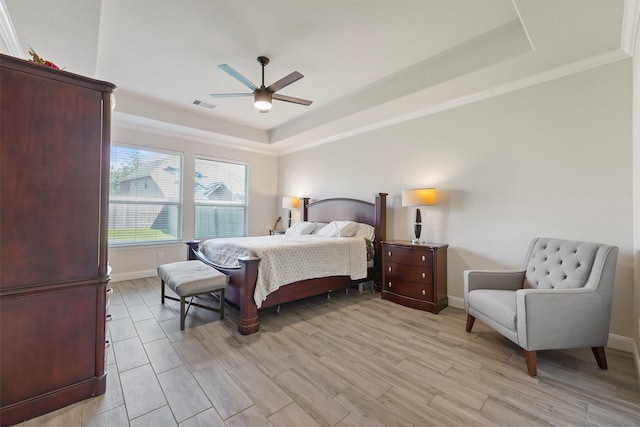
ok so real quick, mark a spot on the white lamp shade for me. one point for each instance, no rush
(290, 202)
(419, 197)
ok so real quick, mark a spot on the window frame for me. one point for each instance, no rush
(179, 203)
(245, 204)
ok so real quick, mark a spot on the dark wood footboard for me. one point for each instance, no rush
(241, 287)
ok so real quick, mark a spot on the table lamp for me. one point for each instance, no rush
(290, 203)
(418, 197)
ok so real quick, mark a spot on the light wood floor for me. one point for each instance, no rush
(353, 360)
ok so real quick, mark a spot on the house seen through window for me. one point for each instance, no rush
(220, 199)
(145, 199)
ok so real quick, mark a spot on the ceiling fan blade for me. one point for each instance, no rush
(285, 81)
(228, 95)
(236, 75)
(291, 99)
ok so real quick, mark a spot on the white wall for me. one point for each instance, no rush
(552, 160)
(142, 261)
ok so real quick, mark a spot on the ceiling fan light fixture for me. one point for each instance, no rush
(262, 100)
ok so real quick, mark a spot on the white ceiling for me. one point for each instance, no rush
(366, 63)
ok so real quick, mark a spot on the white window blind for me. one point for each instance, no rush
(145, 198)
(220, 199)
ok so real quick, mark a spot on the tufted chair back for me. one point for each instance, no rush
(559, 264)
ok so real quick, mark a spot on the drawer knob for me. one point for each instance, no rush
(424, 275)
(390, 269)
(107, 344)
(389, 284)
(424, 292)
(389, 253)
(109, 291)
(108, 318)
(424, 258)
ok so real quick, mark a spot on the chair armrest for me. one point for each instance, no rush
(510, 280)
(562, 318)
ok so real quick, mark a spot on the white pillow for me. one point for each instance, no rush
(339, 229)
(319, 226)
(366, 232)
(300, 228)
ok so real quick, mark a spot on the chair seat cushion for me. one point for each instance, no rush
(498, 305)
(187, 278)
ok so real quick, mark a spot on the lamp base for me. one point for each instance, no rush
(415, 241)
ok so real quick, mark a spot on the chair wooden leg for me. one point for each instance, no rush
(470, 321)
(601, 358)
(531, 357)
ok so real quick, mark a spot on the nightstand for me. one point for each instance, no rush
(415, 275)
(274, 232)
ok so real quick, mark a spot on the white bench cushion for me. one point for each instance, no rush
(187, 278)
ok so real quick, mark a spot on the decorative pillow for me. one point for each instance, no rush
(300, 228)
(365, 231)
(339, 229)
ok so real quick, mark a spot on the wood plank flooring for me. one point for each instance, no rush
(352, 360)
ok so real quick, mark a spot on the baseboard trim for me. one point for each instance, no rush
(133, 275)
(456, 302)
(621, 343)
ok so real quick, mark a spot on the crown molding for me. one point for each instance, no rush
(562, 71)
(157, 127)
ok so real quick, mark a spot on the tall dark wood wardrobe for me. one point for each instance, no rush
(54, 185)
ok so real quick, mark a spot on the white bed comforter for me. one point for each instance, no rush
(287, 259)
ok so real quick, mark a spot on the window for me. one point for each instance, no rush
(145, 201)
(220, 199)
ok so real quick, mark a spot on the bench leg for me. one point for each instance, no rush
(182, 313)
(221, 304)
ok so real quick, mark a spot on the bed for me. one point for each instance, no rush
(243, 278)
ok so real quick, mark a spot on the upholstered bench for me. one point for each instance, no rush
(191, 278)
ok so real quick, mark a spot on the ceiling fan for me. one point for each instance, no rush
(263, 95)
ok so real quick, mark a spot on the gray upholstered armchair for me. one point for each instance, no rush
(562, 299)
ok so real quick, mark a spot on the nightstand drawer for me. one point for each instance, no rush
(419, 274)
(409, 289)
(408, 255)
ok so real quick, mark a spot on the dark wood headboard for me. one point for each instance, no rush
(342, 209)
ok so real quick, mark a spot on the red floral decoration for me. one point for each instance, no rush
(39, 60)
